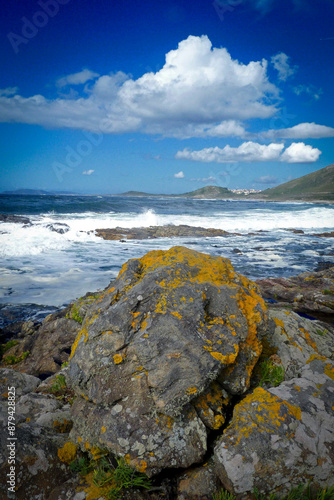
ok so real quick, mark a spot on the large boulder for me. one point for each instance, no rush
(159, 356)
(281, 437)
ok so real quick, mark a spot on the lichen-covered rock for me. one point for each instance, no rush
(159, 355)
(296, 339)
(281, 437)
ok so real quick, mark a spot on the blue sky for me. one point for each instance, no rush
(164, 96)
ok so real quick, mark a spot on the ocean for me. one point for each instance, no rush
(42, 270)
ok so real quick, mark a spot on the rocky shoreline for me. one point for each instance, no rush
(182, 371)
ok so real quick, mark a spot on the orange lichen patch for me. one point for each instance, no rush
(62, 427)
(5, 394)
(279, 322)
(28, 419)
(165, 422)
(95, 492)
(261, 411)
(175, 355)
(297, 387)
(315, 356)
(308, 339)
(87, 445)
(219, 420)
(207, 348)
(68, 452)
(226, 359)
(177, 314)
(103, 430)
(329, 370)
(143, 324)
(97, 452)
(191, 390)
(118, 358)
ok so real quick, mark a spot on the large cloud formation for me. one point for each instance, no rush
(200, 91)
(253, 152)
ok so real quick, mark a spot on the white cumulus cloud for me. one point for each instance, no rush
(299, 152)
(179, 175)
(200, 91)
(77, 78)
(246, 152)
(88, 172)
(282, 65)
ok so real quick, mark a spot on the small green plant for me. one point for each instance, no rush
(321, 332)
(81, 465)
(223, 495)
(328, 292)
(5, 347)
(75, 315)
(271, 374)
(58, 385)
(64, 364)
(299, 493)
(14, 360)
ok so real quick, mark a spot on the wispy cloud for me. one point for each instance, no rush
(179, 175)
(253, 152)
(309, 90)
(282, 65)
(301, 131)
(9, 91)
(200, 91)
(206, 180)
(77, 78)
(88, 172)
(267, 179)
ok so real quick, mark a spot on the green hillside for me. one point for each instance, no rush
(209, 192)
(317, 186)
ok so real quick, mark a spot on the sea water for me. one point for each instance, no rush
(41, 269)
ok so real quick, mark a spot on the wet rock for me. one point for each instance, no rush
(308, 292)
(153, 375)
(59, 227)
(19, 219)
(324, 235)
(280, 437)
(169, 231)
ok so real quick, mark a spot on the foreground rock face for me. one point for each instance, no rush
(39, 423)
(308, 292)
(281, 437)
(169, 231)
(159, 356)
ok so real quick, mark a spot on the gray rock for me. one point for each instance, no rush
(281, 437)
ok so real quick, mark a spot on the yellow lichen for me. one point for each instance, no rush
(118, 358)
(68, 452)
(103, 430)
(226, 359)
(191, 390)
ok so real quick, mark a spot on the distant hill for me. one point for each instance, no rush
(36, 192)
(318, 186)
(207, 192)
